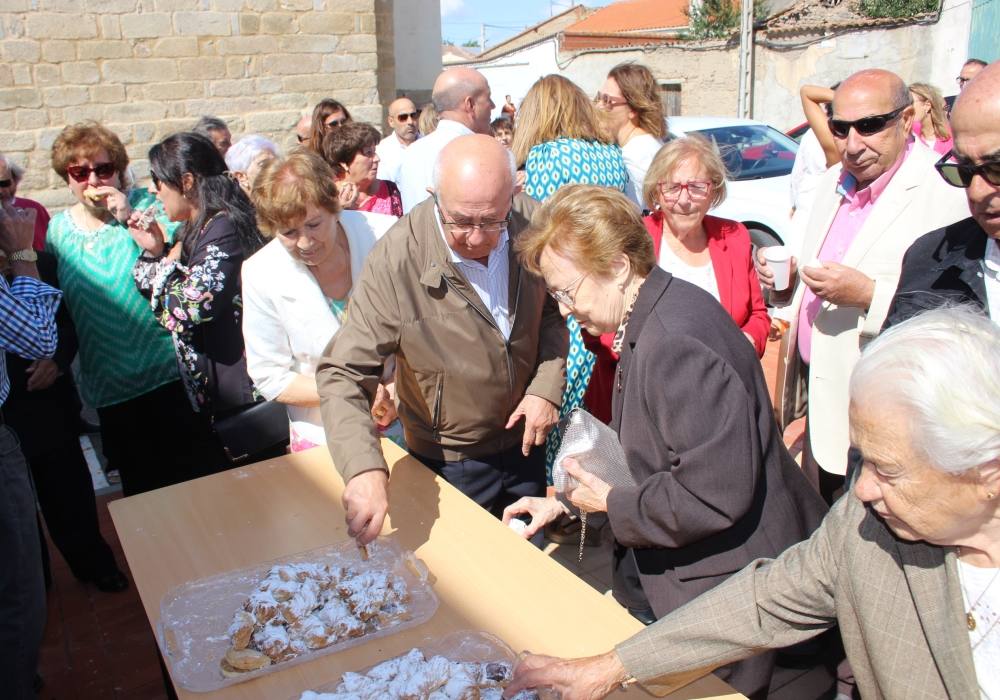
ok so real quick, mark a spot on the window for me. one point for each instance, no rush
(670, 96)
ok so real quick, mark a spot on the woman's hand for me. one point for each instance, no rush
(347, 193)
(542, 511)
(115, 202)
(149, 237)
(590, 494)
(575, 679)
(384, 405)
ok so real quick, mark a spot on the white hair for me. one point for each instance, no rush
(436, 172)
(16, 171)
(241, 154)
(943, 367)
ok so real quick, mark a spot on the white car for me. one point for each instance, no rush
(759, 159)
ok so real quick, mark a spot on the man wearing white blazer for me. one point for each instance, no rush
(868, 210)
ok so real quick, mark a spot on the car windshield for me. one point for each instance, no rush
(753, 151)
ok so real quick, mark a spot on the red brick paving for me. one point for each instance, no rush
(99, 646)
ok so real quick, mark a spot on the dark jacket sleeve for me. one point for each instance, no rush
(704, 419)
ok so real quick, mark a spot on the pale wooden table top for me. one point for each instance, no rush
(485, 576)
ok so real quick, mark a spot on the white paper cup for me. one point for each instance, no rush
(779, 258)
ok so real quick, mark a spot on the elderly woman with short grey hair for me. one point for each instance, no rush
(247, 156)
(908, 564)
(10, 177)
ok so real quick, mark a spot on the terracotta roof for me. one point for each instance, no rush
(634, 16)
(542, 30)
(599, 40)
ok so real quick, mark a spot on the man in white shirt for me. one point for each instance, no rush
(403, 122)
(462, 98)
(960, 263)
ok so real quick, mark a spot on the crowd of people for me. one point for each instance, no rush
(462, 283)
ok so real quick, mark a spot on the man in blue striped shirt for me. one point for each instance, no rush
(27, 328)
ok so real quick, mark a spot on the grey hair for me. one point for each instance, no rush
(208, 123)
(241, 154)
(943, 367)
(16, 171)
(436, 172)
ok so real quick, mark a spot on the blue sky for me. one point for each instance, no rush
(461, 19)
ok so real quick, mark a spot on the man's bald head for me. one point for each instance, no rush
(871, 93)
(403, 119)
(474, 184)
(463, 95)
(975, 123)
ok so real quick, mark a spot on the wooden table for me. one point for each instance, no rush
(485, 576)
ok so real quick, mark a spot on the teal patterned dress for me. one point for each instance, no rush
(549, 166)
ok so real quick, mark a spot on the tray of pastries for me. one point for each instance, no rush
(239, 625)
(467, 665)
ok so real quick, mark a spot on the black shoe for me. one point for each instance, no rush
(115, 582)
(643, 615)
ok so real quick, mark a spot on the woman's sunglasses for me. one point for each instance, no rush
(961, 174)
(866, 126)
(81, 173)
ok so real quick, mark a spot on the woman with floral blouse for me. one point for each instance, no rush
(194, 285)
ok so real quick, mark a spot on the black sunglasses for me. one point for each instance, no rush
(81, 173)
(407, 116)
(865, 126)
(6, 183)
(961, 174)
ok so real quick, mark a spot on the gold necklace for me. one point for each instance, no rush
(970, 618)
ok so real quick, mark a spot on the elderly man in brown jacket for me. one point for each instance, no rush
(478, 345)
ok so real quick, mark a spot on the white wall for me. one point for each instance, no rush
(515, 73)
(917, 53)
(417, 44)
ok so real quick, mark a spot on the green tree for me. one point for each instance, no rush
(718, 19)
(897, 8)
(471, 44)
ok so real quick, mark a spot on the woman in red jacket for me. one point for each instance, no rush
(685, 180)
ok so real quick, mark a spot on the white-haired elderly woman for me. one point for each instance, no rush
(247, 156)
(908, 564)
(10, 176)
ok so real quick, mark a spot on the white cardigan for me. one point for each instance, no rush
(287, 322)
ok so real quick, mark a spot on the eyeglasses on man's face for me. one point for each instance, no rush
(462, 228)
(961, 174)
(697, 189)
(866, 126)
(567, 295)
(407, 116)
(609, 102)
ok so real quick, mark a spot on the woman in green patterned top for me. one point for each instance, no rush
(128, 367)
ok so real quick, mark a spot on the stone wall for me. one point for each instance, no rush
(148, 68)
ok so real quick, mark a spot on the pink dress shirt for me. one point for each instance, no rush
(850, 217)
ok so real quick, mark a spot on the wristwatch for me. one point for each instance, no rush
(23, 255)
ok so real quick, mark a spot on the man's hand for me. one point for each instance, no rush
(42, 374)
(840, 285)
(766, 274)
(366, 500)
(574, 679)
(539, 417)
(17, 228)
(590, 494)
(384, 406)
(542, 511)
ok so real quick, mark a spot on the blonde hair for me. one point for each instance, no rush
(428, 120)
(932, 96)
(284, 188)
(554, 108)
(590, 225)
(640, 90)
(669, 157)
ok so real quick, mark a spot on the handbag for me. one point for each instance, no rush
(261, 426)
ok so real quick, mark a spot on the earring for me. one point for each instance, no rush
(989, 495)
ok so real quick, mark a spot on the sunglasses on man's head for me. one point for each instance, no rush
(81, 173)
(961, 174)
(407, 116)
(866, 126)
